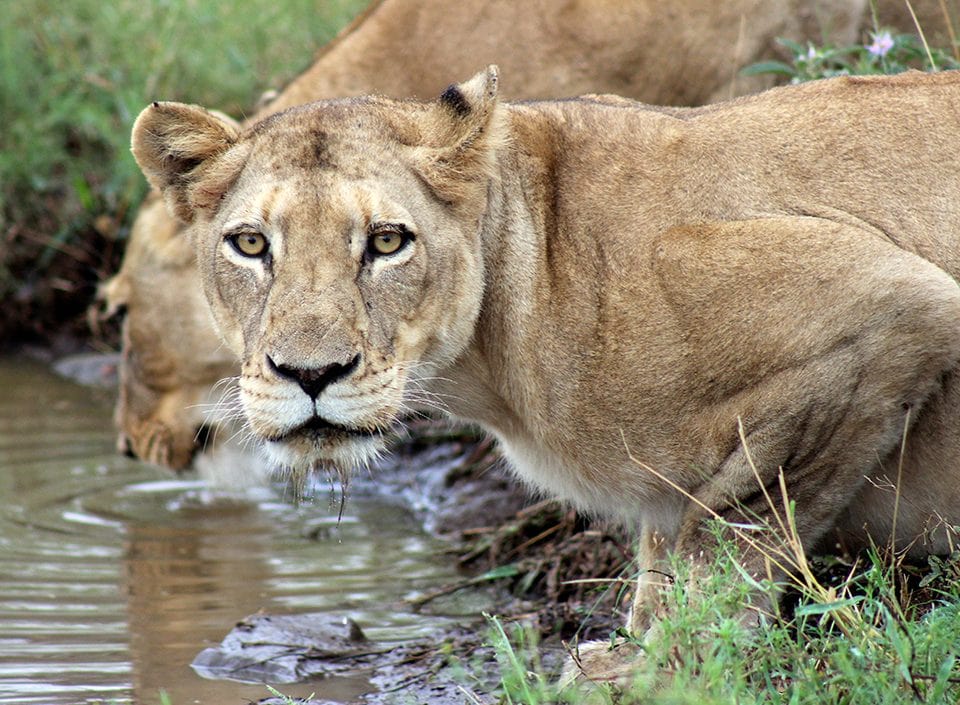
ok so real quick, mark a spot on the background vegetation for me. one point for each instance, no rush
(73, 77)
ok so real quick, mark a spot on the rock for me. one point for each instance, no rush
(291, 648)
(90, 369)
(288, 649)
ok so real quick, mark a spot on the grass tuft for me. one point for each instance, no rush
(702, 653)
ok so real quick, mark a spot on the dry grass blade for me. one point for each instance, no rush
(951, 32)
(923, 39)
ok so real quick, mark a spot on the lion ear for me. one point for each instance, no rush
(472, 102)
(184, 151)
(463, 136)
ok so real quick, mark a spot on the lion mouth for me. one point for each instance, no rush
(319, 429)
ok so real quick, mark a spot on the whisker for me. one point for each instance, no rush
(413, 390)
(416, 388)
(430, 399)
(419, 407)
(225, 381)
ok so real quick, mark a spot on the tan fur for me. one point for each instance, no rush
(689, 54)
(611, 289)
(171, 356)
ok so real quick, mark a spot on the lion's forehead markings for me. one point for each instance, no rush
(327, 213)
(266, 203)
(317, 140)
(314, 151)
(283, 148)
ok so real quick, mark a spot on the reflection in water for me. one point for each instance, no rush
(113, 575)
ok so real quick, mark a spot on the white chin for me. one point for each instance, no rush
(301, 454)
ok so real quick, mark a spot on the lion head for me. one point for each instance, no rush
(340, 254)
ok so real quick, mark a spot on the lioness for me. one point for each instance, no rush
(688, 54)
(610, 289)
(171, 357)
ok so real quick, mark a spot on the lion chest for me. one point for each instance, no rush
(613, 487)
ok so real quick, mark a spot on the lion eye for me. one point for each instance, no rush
(386, 243)
(249, 244)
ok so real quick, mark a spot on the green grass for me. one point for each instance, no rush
(874, 642)
(73, 77)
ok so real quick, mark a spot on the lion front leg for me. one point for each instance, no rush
(654, 576)
(613, 661)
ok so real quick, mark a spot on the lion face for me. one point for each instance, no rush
(333, 303)
(339, 254)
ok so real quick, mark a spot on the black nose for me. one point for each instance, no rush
(204, 435)
(125, 447)
(313, 380)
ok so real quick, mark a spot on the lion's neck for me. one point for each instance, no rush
(518, 362)
(551, 322)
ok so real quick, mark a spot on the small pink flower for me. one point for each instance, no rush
(882, 43)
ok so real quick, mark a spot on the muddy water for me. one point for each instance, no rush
(114, 575)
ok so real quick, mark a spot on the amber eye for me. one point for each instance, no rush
(387, 242)
(249, 244)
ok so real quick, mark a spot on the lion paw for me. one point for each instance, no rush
(598, 662)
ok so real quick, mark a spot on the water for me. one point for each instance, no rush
(114, 574)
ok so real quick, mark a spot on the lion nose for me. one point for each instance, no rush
(124, 446)
(313, 380)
